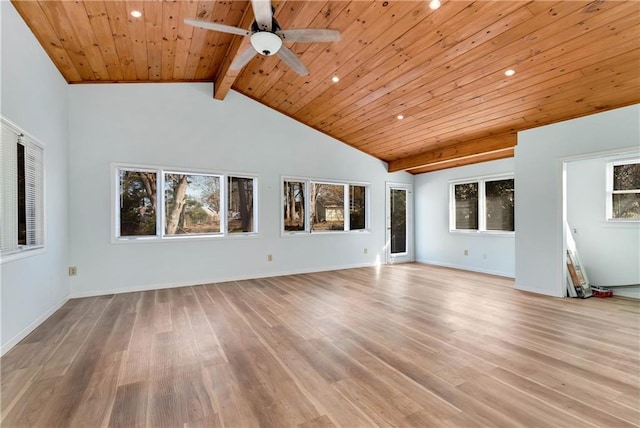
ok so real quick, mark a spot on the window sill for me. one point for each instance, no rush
(153, 239)
(621, 224)
(326, 233)
(483, 233)
(22, 254)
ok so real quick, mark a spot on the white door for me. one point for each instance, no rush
(399, 237)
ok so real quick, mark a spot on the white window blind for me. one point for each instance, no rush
(22, 191)
(33, 194)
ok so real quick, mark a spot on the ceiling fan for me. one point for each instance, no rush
(267, 36)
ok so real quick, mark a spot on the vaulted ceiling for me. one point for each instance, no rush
(442, 70)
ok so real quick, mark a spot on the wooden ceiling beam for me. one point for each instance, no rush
(465, 150)
(226, 77)
(468, 160)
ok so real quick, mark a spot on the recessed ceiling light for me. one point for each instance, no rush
(136, 13)
(434, 4)
(335, 79)
(509, 72)
(399, 117)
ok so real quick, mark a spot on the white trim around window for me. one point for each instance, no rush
(161, 204)
(622, 202)
(470, 209)
(345, 210)
(22, 193)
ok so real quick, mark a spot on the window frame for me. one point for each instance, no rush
(348, 204)
(453, 216)
(160, 235)
(225, 196)
(307, 215)
(116, 206)
(163, 214)
(482, 205)
(346, 226)
(610, 191)
(28, 250)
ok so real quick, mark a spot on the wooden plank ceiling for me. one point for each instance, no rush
(443, 70)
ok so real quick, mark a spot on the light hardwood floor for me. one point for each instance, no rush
(404, 345)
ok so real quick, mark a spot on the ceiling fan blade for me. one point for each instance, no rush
(242, 59)
(217, 27)
(309, 35)
(292, 60)
(263, 13)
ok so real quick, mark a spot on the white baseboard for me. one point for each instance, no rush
(5, 347)
(136, 288)
(472, 269)
(631, 292)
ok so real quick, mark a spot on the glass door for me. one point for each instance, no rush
(399, 242)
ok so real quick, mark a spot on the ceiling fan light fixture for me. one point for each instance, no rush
(266, 43)
(435, 4)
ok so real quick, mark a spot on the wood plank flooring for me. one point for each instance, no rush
(404, 345)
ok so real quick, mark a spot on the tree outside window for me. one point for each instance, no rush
(138, 204)
(240, 210)
(357, 207)
(192, 204)
(294, 201)
(499, 201)
(625, 194)
(316, 207)
(466, 206)
(483, 205)
(158, 203)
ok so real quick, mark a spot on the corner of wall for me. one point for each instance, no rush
(35, 97)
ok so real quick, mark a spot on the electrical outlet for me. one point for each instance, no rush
(73, 271)
(466, 252)
(269, 257)
(365, 251)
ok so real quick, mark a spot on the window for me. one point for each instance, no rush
(138, 204)
(191, 204)
(316, 206)
(623, 190)
(357, 205)
(466, 206)
(483, 205)
(22, 190)
(241, 207)
(327, 206)
(499, 202)
(294, 206)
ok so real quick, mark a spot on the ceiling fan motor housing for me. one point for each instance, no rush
(266, 42)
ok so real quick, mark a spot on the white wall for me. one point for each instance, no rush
(493, 254)
(181, 125)
(34, 97)
(609, 251)
(538, 165)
